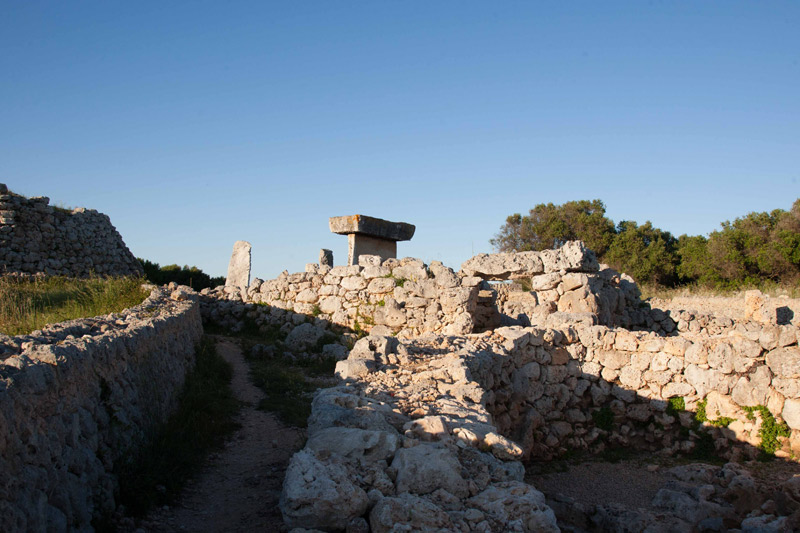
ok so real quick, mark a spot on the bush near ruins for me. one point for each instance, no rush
(186, 275)
(755, 250)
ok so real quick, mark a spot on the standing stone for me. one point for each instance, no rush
(326, 257)
(239, 267)
(370, 236)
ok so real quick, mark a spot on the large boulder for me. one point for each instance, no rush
(407, 512)
(320, 495)
(515, 506)
(425, 468)
(304, 337)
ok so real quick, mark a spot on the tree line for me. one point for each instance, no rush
(186, 275)
(752, 250)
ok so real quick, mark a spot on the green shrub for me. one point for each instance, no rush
(770, 430)
(675, 405)
(190, 276)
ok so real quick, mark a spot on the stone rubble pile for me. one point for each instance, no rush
(405, 444)
(38, 238)
(79, 397)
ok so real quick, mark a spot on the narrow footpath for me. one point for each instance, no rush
(238, 489)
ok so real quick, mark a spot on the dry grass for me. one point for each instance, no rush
(666, 293)
(29, 304)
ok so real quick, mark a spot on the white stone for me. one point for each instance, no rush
(239, 266)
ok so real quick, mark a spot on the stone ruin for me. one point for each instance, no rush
(37, 238)
(370, 236)
(465, 375)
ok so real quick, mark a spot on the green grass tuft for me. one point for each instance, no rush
(30, 304)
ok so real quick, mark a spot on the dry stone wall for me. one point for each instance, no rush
(38, 238)
(428, 432)
(79, 397)
(548, 388)
(407, 298)
(404, 297)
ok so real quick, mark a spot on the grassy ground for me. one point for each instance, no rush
(666, 293)
(205, 417)
(289, 385)
(27, 305)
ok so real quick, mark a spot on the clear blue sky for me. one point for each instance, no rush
(194, 124)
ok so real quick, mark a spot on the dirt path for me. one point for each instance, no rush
(238, 489)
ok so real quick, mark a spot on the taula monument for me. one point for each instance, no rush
(370, 236)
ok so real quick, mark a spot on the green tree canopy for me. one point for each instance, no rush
(550, 226)
(750, 250)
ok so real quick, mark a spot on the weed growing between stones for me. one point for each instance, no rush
(701, 416)
(28, 304)
(204, 418)
(769, 432)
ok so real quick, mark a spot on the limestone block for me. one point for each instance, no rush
(674, 389)
(518, 504)
(381, 285)
(613, 359)
(371, 226)
(304, 337)
(785, 362)
(408, 512)
(308, 296)
(354, 283)
(372, 272)
(319, 494)
(572, 257)
(573, 280)
(330, 305)
(444, 276)
(578, 301)
(367, 260)
(545, 282)
(362, 445)
(425, 468)
(791, 413)
(326, 257)
(239, 266)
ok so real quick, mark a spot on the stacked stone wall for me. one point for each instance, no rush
(78, 398)
(36, 238)
(403, 297)
(407, 298)
(547, 386)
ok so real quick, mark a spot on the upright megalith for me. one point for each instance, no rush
(326, 257)
(239, 266)
(370, 236)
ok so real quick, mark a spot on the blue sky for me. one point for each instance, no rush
(195, 124)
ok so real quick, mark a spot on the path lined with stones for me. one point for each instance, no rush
(238, 489)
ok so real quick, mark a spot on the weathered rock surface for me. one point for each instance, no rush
(239, 266)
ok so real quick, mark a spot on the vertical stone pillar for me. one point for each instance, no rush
(239, 266)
